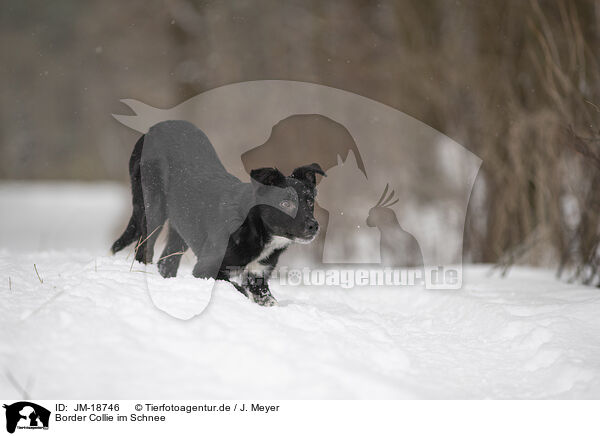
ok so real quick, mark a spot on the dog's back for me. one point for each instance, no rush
(176, 173)
(183, 153)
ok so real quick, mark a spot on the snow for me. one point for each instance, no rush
(100, 326)
(58, 216)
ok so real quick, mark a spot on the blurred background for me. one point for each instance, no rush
(515, 82)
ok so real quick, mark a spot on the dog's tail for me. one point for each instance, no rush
(136, 222)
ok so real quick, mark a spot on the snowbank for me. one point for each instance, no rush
(92, 330)
(96, 326)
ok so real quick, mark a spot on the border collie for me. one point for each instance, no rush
(237, 230)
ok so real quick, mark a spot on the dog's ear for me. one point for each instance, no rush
(268, 176)
(307, 173)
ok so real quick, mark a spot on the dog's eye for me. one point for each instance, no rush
(286, 204)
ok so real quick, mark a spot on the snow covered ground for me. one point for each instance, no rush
(95, 326)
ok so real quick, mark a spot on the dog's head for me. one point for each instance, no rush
(289, 210)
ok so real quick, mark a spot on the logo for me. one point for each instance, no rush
(26, 415)
(396, 192)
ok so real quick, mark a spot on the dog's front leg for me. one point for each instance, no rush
(258, 290)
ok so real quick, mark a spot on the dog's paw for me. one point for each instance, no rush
(266, 300)
(166, 269)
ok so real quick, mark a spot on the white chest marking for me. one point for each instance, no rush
(277, 243)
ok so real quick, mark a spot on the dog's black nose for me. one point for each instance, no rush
(312, 226)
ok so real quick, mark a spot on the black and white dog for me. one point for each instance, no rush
(235, 229)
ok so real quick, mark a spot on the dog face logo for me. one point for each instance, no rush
(26, 415)
(431, 174)
(365, 148)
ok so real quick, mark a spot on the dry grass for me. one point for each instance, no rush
(517, 82)
(543, 185)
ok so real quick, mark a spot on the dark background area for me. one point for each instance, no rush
(516, 82)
